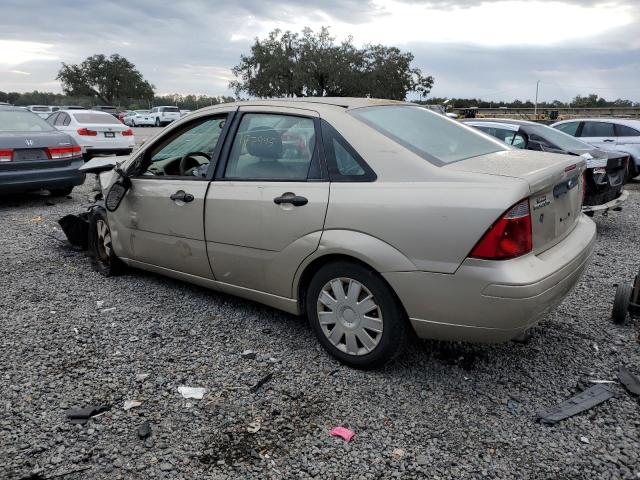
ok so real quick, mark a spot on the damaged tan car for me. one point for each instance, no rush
(375, 219)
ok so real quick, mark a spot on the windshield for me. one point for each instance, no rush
(22, 121)
(559, 139)
(434, 137)
(103, 119)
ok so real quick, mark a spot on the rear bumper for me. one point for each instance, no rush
(494, 301)
(616, 202)
(34, 179)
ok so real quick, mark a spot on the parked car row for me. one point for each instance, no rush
(157, 116)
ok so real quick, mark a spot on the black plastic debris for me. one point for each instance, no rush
(82, 415)
(630, 381)
(261, 382)
(76, 228)
(579, 403)
(144, 430)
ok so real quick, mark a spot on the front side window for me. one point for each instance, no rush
(273, 147)
(435, 138)
(570, 128)
(597, 129)
(190, 153)
(624, 131)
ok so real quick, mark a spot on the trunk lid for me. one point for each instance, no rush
(555, 183)
(30, 149)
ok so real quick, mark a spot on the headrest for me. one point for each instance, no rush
(263, 142)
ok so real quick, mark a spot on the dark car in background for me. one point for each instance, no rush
(606, 170)
(34, 155)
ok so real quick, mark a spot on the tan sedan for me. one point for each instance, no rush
(372, 218)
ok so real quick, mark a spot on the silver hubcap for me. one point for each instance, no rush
(349, 316)
(104, 239)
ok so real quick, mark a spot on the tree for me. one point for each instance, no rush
(111, 80)
(287, 64)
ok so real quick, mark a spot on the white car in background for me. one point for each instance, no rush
(139, 118)
(43, 111)
(164, 115)
(617, 134)
(96, 132)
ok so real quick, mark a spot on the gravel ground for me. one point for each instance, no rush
(70, 337)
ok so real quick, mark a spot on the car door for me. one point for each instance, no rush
(599, 134)
(265, 211)
(160, 219)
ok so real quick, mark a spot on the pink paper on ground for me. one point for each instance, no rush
(345, 433)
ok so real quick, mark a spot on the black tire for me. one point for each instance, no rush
(157, 122)
(394, 323)
(621, 303)
(633, 170)
(61, 192)
(103, 258)
(133, 123)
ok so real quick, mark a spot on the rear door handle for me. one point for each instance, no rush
(183, 196)
(296, 200)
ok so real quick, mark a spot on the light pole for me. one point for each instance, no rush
(535, 108)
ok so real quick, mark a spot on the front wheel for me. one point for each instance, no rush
(103, 258)
(355, 315)
(157, 122)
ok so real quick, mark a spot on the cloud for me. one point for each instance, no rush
(474, 47)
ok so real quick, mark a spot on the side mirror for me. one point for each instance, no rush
(117, 191)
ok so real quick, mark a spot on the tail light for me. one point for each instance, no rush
(127, 133)
(6, 155)
(509, 237)
(87, 132)
(61, 153)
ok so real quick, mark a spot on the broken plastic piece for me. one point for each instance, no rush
(261, 382)
(76, 228)
(192, 392)
(144, 430)
(591, 397)
(629, 380)
(248, 354)
(129, 404)
(342, 432)
(82, 415)
(253, 427)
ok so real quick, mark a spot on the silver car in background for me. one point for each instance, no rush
(373, 218)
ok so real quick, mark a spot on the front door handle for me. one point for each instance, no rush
(608, 140)
(296, 200)
(183, 196)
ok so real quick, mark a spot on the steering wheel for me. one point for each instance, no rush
(183, 161)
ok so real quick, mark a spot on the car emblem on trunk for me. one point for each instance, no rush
(29, 142)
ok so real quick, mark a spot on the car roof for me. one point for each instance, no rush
(631, 122)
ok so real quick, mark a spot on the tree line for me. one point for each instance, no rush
(588, 101)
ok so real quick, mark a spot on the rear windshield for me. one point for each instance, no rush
(142, 112)
(558, 138)
(170, 109)
(39, 109)
(23, 121)
(103, 119)
(434, 137)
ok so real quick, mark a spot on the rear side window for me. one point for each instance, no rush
(344, 163)
(597, 129)
(434, 137)
(22, 121)
(624, 131)
(570, 128)
(102, 119)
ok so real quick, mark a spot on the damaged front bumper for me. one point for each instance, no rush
(615, 203)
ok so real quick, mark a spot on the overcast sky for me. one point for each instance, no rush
(474, 48)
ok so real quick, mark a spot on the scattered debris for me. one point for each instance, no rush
(107, 310)
(601, 381)
(76, 228)
(248, 354)
(513, 406)
(37, 219)
(99, 303)
(82, 415)
(192, 392)
(144, 430)
(579, 403)
(253, 427)
(595, 347)
(129, 404)
(141, 377)
(343, 433)
(261, 382)
(584, 439)
(629, 380)
(397, 453)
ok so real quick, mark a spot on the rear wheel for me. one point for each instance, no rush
(103, 258)
(61, 192)
(157, 122)
(621, 302)
(355, 315)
